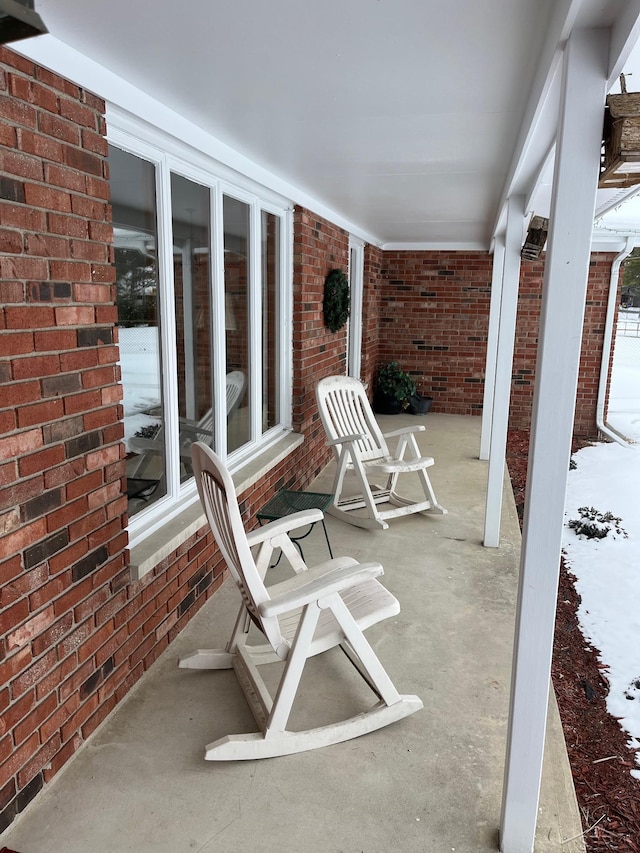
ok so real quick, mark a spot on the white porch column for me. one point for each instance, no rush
(492, 346)
(504, 367)
(564, 292)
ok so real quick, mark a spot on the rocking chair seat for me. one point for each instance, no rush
(315, 610)
(368, 603)
(400, 466)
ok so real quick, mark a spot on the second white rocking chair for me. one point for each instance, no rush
(360, 447)
(314, 611)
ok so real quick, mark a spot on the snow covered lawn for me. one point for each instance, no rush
(607, 478)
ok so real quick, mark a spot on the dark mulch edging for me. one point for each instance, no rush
(608, 796)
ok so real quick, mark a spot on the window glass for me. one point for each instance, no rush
(190, 210)
(133, 200)
(236, 219)
(270, 278)
(185, 320)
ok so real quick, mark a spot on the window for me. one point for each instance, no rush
(139, 316)
(202, 295)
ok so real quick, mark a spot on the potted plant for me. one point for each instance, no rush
(394, 390)
(419, 404)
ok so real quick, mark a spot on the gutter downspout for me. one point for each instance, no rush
(612, 307)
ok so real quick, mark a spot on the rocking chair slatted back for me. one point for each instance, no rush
(218, 497)
(345, 410)
(236, 382)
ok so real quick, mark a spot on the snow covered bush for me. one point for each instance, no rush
(593, 524)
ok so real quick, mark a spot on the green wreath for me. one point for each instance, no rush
(336, 300)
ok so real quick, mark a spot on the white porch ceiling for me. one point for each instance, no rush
(408, 118)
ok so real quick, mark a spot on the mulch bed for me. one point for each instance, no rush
(608, 796)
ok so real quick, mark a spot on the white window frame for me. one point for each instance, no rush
(356, 285)
(169, 155)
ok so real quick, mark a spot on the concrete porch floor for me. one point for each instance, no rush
(432, 782)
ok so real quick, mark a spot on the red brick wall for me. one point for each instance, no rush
(63, 568)
(371, 298)
(526, 345)
(435, 306)
(592, 344)
(319, 247)
(75, 632)
(434, 318)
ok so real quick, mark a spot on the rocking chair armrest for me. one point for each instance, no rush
(403, 430)
(315, 584)
(284, 525)
(344, 439)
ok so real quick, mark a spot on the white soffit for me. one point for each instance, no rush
(404, 117)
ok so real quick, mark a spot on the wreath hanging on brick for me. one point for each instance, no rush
(336, 300)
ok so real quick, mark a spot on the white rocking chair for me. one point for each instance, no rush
(360, 447)
(315, 610)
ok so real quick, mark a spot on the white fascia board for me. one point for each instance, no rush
(616, 200)
(625, 34)
(604, 240)
(469, 246)
(563, 16)
(80, 69)
(532, 150)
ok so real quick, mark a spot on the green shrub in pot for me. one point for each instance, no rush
(394, 389)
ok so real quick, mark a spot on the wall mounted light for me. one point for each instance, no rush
(535, 239)
(19, 20)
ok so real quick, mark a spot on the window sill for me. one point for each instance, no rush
(145, 556)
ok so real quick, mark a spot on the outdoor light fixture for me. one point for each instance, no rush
(535, 239)
(620, 162)
(19, 20)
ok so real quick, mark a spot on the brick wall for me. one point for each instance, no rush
(372, 290)
(436, 306)
(433, 320)
(526, 345)
(592, 344)
(319, 247)
(61, 503)
(75, 632)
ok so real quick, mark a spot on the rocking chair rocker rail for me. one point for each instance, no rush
(319, 608)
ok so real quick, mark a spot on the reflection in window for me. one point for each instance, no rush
(190, 207)
(270, 278)
(135, 240)
(185, 320)
(236, 298)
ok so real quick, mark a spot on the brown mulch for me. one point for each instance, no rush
(608, 796)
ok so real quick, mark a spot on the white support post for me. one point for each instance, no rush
(564, 293)
(504, 367)
(492, 346)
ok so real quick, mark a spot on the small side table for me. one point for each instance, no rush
(286, 502)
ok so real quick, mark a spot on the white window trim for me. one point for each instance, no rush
(356, 282)
(166, 523)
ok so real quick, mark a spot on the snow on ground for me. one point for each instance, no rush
(624, 396)
(140, 367)
(607, 477)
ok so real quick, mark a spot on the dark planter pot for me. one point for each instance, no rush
(419, 405)
(385, 405)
